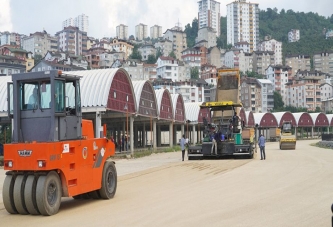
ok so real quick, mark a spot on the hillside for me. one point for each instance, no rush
(278, 24)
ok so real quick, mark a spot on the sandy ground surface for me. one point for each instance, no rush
(289, 188)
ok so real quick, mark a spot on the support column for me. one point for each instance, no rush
(175, 132)
(98, 124)
(311, 132)
(170, 134)
(158, 135)
(144, 136)
(194, 137)
(131, 119)
(182, 131)
(154, 135)
(296, 132)
(135, 137)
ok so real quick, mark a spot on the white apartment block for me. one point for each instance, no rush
(237, 58)
(209, 15)
(146, 50)
(39, 43)
(245, 46)
(73, 40)
(191, 92)
(178, 39)
(135, 69)
(81, 21)
(7, 38)
(243, 23)
(272, 45)
(167, 68)
(155, 32)
(165, 46)
(267, 95)
(293, 35)
(298, 62)
(280, 76)
(323, 61)
(122, 31)
(326, 91)
(184, 72)
(207, 34)
(141, 31)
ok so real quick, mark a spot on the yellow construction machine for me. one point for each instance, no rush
(287, 139)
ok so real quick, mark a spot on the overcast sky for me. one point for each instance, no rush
(27, 17)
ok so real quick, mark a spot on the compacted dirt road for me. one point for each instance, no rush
(289, 188)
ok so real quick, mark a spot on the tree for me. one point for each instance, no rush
(151, 59)
(191, 32)
(194, 73)
(173, 55)
(158, 53)
(278, 102)
(136, 54)
(37, 58)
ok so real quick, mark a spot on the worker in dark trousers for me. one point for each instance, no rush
(261, 143)
(182, 145)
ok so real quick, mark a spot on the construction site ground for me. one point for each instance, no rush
(289, 188)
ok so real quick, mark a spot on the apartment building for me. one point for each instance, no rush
(214, 57)
(165, 46)
(209, 15)
(261, 61)
(245, 46)
(251, 94)
(167, 68)
(91, 41)
(208, 73)
(243, 23)
(72, 40)
(141, 31)
(120, 45)
(208, 34)
(178, 39)
(149, 71)
(298, 62)
(192, 90)
(184, 71)
(293, 35)
(10, 38)
(155, 32)
(122, 31)
(195, 56)
(280, 76)
(237, 58)
(267, 95)
(272, 45)
(323, 61)
(39, 43)
(14, 59)
(326, 91)
(146, 50)
(81, 21)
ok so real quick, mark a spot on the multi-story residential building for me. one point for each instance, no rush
(146, 50)
(155, 32)
(327, 105)
(195, 56)
(81, 21)
(39, 43)
(261, 61)
(178, 39)
(298, 62)
(141, 31)
(208, 34)
(72, 40)
(120, 45)
(7, 38)
(245, 46)
(167, 68)
(93, 57)
(267, 95)
(51, 65)
(149, 71)
(323, 61)
(237, 58)
(272, 45)
(280, 76)
(214, 57)
(184, 71)
(209, 74)
(91, 41)
(243, 23)
(209, 15)
(293, 35)
(14, 60)
(66, 59)
(164, 46)
(251, 94)
(122, 31)
(326, 91)
(134, 68)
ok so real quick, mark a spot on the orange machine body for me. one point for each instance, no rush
(78, 162)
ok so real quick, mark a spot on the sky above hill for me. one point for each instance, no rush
(27, 17)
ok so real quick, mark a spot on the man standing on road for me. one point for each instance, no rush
(261, 143)
(182, 145)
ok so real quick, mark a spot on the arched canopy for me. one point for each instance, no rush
(330, 119)
(285, 116)
(242, 115)
(164, 103)
(265, 120)
(303, 119)
(3, 95)
(103, 89)
(194, 114)
(178, 107)
(250, 119)
(319, 120)
(145, 98)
